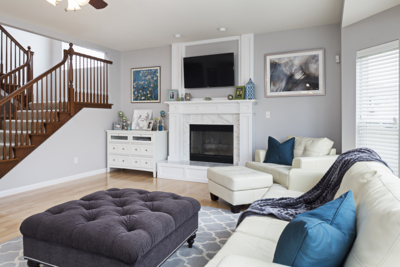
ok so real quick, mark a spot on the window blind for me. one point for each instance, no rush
(83, 50)
(378, 101)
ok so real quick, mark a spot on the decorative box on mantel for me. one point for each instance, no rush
(239, 113)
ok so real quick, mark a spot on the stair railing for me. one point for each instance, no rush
(16, 64)
(51, 93)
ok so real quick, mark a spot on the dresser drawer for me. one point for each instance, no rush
(147, 163)
(136, 162)
(147, 150)
(142, 150)
(113, 160)
(124, 161)
(124, 149)
(113, 148)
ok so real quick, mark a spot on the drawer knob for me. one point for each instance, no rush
(135, 161)
(123, 149)
(113, 159)
(123, 160)
(146, 149)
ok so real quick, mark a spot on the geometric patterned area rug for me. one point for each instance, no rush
(215, 227)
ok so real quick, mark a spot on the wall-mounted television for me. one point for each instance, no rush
(209, 71)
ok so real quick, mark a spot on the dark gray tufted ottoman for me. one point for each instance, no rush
(113, 228)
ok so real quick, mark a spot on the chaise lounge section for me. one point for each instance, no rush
(376, 191)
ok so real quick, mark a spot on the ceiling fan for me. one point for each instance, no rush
(76, 4)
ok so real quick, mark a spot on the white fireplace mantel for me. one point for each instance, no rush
(239, 113)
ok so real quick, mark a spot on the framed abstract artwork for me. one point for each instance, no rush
(146, 85)
(300, 73)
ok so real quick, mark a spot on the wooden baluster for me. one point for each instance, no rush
(37, 130)
(4, 133)
(10, 128)
(59, 91)
(76, 79)
(21, 136)
(107, 84)
(65, 86)
(16, 104)
(26, 114)
(91, 81)
(6, 70)
(87, 80)
(41, 101)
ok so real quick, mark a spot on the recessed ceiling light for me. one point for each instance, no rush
(222, 29)
(177, 35)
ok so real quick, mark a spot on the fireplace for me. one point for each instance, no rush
(211, 143)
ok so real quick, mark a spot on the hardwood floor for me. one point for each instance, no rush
(14, 209)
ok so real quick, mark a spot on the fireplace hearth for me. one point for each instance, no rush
(211, 143)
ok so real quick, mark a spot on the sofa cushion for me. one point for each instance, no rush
(280, 173)
(378, 224)
(356, 177)
(311, 147)
(278, 191)
(237, 178)
(321, 237)
(279, 153)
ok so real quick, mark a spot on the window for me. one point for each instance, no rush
(82, 50)
(378, 101)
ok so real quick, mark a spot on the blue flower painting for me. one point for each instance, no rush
(146, 85)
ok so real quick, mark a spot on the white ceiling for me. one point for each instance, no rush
(356, 10)
(132, 24)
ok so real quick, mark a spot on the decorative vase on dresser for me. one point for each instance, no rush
(250, 88)
(136, 150)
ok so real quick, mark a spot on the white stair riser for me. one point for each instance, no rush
(25, 127)
(36, 115)
(13, 138)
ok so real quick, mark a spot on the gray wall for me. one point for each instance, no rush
(83, 136)
(375, 30)
(149, 57)
(311, 116)
(210, 49)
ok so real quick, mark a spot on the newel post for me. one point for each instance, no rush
(29, 74)
(71, 90)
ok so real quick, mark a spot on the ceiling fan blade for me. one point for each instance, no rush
(98, 4)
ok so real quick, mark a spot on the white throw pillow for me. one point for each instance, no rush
(311, 147)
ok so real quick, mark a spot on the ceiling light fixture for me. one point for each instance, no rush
(53, 2)
(178, 35)
(72, 6)
(222, 29)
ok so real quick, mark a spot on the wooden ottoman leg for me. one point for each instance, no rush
(235, 209)
(191, 240)
(214, 197)
(33, 263)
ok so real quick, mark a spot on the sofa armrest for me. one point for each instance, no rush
(322, 163)
(333, 151)
(260, 155)
(240, 261)
(303, 180)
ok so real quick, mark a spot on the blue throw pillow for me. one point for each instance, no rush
(280, 153)
(321, 237)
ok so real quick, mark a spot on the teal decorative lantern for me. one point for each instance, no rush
(250, 88)
(162, 113)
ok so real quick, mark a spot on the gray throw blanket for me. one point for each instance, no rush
(286, 208)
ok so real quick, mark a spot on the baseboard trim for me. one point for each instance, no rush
(22, 189)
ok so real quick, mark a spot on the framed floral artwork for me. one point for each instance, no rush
(146, 85)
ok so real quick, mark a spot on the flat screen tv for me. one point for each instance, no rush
(209, 71)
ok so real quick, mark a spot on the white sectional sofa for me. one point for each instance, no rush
(243, 185)
(312, 158)
(377, 196)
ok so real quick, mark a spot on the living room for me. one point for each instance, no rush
(303, 98)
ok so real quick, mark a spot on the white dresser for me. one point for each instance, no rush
(136, 150)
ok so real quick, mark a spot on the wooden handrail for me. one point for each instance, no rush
(35, 80)
(26, 64)
(13, 39)
(94, 58)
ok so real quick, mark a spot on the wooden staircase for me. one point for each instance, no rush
(31, 110)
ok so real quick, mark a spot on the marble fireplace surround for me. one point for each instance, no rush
(209, 119)
(239, 113)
